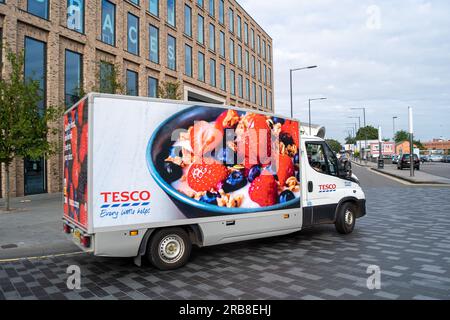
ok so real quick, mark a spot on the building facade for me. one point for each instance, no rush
(438, 145)
(213, 48)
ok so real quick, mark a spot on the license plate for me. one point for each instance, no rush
(76, 236)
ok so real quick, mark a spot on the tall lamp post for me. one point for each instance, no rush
(411, 143)
(290, 72)
(393, 127)
(309, 110)
(355, 130)
(365, 131)
(359, 127)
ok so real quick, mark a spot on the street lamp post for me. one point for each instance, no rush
(411, 143)
(354, 127)
(359, 122)
(365, 131)
(290, 72)
(393, 127)
(309, 110)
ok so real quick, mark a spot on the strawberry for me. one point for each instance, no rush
(204, 137)
(255, 142)
(264, 190)
(285, 168)
(75, 173)
(292, 129)
(206, 176)
(221, 125)
(83, 143)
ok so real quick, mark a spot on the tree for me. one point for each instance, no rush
(169, 90)
(334, 145)
(401, 136)
(368, 132)
(350, 140)
(24, 124)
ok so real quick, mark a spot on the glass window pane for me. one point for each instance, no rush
(35, 64)
(231, 20)
(247, 89)
(231, 51)
(152, 87)
(200, 3)
(252, 39)
(239, 56)
(221, 12)
(133, 34)
(201, 67)
(154, 7)
(72, 77)
(212, 72)
(212, 8)
(245, 33)
(188, 20)
(188, 60)
(171, 19)
(239, 27)
(240, 86)
(132, 83)
(154, 44)
(38, 8)
(212, 37)
(75, 15)
(200, 29)
(222, 44)
(106, 73)
(171, 53)
(108, 22)
(222, 77)
(232, 83)
(136, 2)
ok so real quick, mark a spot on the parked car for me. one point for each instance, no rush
(395, 159)
(436, 158)
(424, 158)
(404, 162)
(447, 158)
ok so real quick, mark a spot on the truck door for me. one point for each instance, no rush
(323, 183)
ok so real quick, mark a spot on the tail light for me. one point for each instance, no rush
(67, 228)
(85, 241)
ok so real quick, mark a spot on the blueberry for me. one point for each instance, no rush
(286, 196)
(226, 156)
(171, 172)
(235, 181)
(296, 160)
(286, 139)
(278, 120)
(254, 173)
(210, 198)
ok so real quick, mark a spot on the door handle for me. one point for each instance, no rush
(310, 186)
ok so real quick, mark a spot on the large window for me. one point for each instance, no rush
(231, 51)
(265, 74)
(201, 67)
(35, 65)
(232, 83)
(171, 15)
(222, 44)
(153, 7)
(188, 60)
(132, 83)
(212, 8)
(200, 29)
(239, 56)
(171, 53)
(264, 49)
(254, 92)
(200, 3)
(259, 70)
(239, 27)
(188, 20)
(212, 72)
(252, 39)
(152, 87)
(240, 86)
(108, 22)
(269, 53)
(247, 61)
(106, 75)
(260, 95)
(245, 33)
(221, 12)
(247, 89)
(258, 45)
(253, 67)
(231, 20)
(133, 34)
(75, 15)
(154, 44)
(72, 77)
(136, 2)
(212, 37)
(223, 85)
(38, 8)
(265, 98)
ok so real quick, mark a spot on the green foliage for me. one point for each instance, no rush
(401, 136)
(368, 132)
(334, 145)
(350, 140)
(169, 90)
(23, 125)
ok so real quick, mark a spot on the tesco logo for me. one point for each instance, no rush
(325, 187)
(125, 196)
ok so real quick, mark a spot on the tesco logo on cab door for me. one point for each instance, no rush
(327, 187)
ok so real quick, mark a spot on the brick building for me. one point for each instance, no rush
(214, 48)
(438, 145)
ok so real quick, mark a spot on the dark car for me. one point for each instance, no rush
(404, 162)
(447, 158)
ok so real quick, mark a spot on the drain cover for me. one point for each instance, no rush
(9, 246)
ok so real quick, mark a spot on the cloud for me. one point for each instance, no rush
(382, 55)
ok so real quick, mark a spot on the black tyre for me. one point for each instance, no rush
(346, 218)
(169, 249)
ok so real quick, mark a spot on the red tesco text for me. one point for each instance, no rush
(125, 196)
(324, 187)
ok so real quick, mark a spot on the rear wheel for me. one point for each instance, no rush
(169, 249)
(346, 218)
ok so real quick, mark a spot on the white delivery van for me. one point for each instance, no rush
(150, 178)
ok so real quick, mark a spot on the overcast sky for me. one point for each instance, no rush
(382, 55)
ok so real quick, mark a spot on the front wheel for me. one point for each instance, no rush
(346, 218)
(169, 249)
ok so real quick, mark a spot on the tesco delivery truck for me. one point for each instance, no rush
(151, 178)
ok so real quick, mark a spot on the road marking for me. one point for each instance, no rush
(43, 257)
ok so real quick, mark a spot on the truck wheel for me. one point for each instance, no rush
(346, 218)
(169, 249)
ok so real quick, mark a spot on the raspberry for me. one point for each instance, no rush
(220, 125)
(285, 169)
(291, 128)
(264, 190)
(206, 176)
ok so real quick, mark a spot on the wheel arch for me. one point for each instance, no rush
(351, 200)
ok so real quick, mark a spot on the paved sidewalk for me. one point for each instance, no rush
(420, 177)
(33, 228)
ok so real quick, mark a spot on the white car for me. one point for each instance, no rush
(436, 158)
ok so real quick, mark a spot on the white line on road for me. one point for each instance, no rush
(43, 257)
